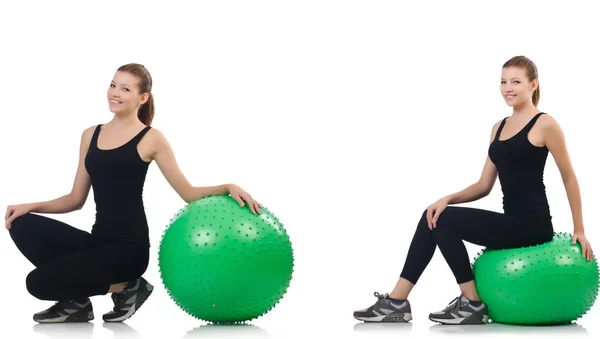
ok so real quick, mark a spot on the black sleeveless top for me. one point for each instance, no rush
(117, 177)
(520, 167)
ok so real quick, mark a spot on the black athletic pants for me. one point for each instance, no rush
(70, 263)
(481, 227)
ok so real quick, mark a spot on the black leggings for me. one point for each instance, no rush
(481, 227)
(70, 263)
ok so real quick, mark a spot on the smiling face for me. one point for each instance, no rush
(515, 86)
(123, 93)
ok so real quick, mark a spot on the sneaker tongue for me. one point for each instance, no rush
(131, 284)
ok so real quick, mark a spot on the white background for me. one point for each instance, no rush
(345, 118)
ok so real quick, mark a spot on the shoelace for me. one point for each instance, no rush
(380, 296)
(56, 305)
(455, 305)
(60, 305)
(119, 300)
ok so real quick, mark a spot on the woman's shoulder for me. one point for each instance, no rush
(546, 121)
(546, 118)
(155, 137)
(154, 133)
(87, 133)
(549, 124)
(497, 124)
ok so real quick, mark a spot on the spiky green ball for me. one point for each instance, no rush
(538, 285)
(223, 264)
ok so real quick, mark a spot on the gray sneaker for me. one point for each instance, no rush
(68, 311)
(385, 310)
(129, 300)
(461, 312)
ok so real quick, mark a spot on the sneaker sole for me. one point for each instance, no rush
(472, 320)
(392, 318)
(142, 296)
(71, 318)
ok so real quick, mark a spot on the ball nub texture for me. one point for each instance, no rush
(221, 263)
(545, 284)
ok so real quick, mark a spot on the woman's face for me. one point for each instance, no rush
(123, 93)
(515, 86)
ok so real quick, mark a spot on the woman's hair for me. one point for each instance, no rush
(146, 112)
(532, 73)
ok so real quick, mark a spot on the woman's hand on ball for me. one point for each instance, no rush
(586, 249)
(242, 196)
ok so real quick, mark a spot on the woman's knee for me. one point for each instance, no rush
(449, 215)
(443, 221)
(423, 221)
(20, 225)
(35, 283)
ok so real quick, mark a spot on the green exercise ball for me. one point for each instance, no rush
(221, 263)
(545, 284)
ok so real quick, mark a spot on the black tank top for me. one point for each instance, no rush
(117, 177)
(520, 171)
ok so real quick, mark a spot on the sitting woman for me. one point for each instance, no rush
(517, 154)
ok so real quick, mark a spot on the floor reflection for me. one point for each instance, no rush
(562, 330)
(65, 330)
(382, 327)
(241, 330)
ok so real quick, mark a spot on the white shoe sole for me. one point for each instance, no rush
(406, 318)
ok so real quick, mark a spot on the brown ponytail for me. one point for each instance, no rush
(146, 111)
(532, 73)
